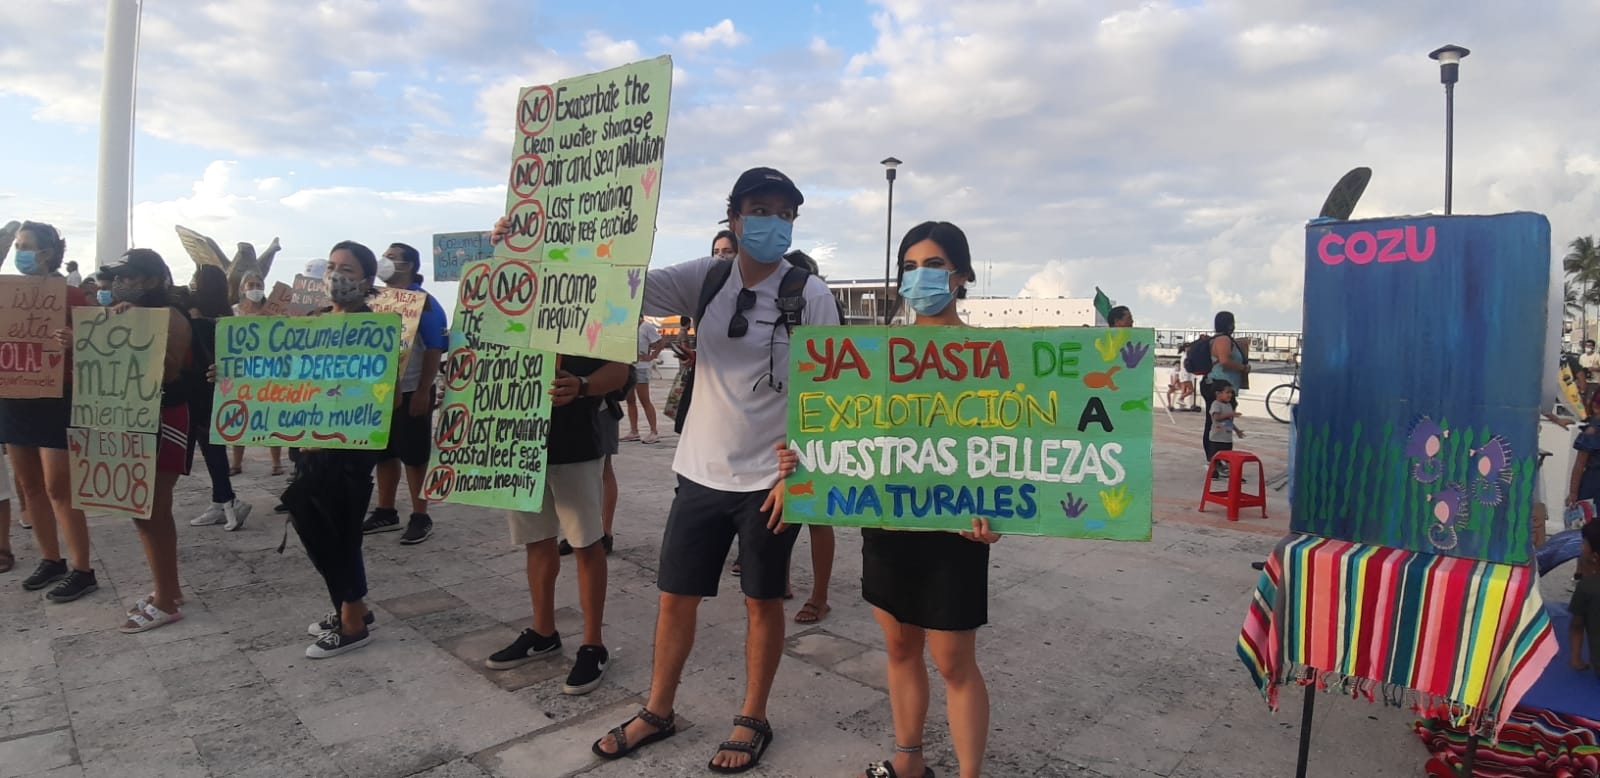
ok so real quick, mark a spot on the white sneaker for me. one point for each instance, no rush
(649, 437)
(212, 516)
(234, 514)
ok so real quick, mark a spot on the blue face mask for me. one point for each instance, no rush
(927, 289)
(766, 238)
(27, 262)
(104, 297)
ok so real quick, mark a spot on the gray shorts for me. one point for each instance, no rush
(571, 507)
(702, 525)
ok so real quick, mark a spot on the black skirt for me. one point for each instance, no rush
(933, 580)
(39, 422)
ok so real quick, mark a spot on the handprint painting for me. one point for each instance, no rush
(1420, 383)
(1044, 431)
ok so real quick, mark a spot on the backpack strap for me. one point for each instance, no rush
(792, 295)
(715, 279)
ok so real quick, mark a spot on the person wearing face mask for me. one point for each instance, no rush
(208, 302)
(35, 434)
(252, 302)
(140, 279)
(411, 431)
(929, 588)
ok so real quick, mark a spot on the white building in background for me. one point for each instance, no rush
(1027, 312)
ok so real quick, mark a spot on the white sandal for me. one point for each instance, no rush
(150, 599)
(148, 617)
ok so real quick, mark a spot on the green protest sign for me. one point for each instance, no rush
(489, 442)
(1044, 431)
(317, 382)
(584, 187)
(117, 365)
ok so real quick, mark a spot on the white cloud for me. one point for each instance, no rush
(1165, 294)
(605, 52)
(722, 33)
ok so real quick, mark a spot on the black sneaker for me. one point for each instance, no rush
(48, 572)
(331, 622)
(587, 671)
(332, 644)
(418, 529)
(528, 646)
(564, 548)
(381, 520)
(75, 585)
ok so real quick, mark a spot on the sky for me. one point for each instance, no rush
(1169, 152)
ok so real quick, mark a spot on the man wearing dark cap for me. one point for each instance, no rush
(726, 463)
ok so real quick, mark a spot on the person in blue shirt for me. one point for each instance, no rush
(411, 434)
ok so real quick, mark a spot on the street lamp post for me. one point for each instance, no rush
(1449, 58)
(888, 238)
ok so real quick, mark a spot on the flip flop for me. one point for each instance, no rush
(755, 748)
(811, 613)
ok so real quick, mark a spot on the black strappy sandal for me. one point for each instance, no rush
(665, 728)
(755, 748)
(885, 769)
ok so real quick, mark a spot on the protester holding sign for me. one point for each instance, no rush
(140, 279)
(726, 464)
(411, 432)
(252, 302)
(572, 504)
(35, 433)
(208, 301)
(929, 587)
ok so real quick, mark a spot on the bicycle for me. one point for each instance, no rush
(1283, 397)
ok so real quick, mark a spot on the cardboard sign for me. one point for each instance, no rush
(112, 471)
(409, 305)
(1044, 431)
(308, 294)
(117, 365)
(317, 381)
(453, 250)
(1418, 420)
(490, 440)
(280, 302)
(585, 185)
(31, 361)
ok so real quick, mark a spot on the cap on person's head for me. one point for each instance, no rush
(316, 268)
(758, 178)
(137, 263)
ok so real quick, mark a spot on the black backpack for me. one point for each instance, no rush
(1197, 359)
(791, 304)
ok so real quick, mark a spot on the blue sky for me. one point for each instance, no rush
(1168, 152)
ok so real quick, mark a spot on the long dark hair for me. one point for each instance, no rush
(364, 256)
(732, 238)
(210, 293)
(954, 243)
(49, 239)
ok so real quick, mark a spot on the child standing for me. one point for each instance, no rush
(1585, 603)
(1223, 411)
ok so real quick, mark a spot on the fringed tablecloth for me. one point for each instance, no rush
(1454, 638)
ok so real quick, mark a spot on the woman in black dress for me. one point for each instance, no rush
(930, 588)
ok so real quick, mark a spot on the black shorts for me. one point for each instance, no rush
(702, 524)
(410, 437)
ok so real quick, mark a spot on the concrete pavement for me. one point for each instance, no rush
(1102, 659)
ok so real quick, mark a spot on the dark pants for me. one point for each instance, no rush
(216, 458)
(326, 506)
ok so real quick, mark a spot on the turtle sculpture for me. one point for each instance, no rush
(205, 251)
(8, 234)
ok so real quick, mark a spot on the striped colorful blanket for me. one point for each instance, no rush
(1455, 638)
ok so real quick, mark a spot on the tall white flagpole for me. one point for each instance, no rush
(113, 201)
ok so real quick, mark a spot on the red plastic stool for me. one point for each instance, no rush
(1234, 496)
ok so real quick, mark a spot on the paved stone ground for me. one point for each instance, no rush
(1102, 659)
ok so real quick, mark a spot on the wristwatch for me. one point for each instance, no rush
(583, 386)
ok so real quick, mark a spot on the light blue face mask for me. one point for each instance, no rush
(766, 238)
(27, 262)
(104, 297)
(927, 289)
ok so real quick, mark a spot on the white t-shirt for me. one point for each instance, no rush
(648, 337)
(737, 417)
(1589, 362)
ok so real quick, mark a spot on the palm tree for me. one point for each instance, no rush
(1582, 266)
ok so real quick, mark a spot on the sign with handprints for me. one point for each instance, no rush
(1044, 431)
(31, 361)
(1418, 421)
(582, 196)
(117, 364)
(314, 382)
(113, 472)
(491, 432)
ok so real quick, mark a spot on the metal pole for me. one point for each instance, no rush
(888, 251)
(1305, 730)
(116, 130)
(1468, 758)
(1449, 142)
